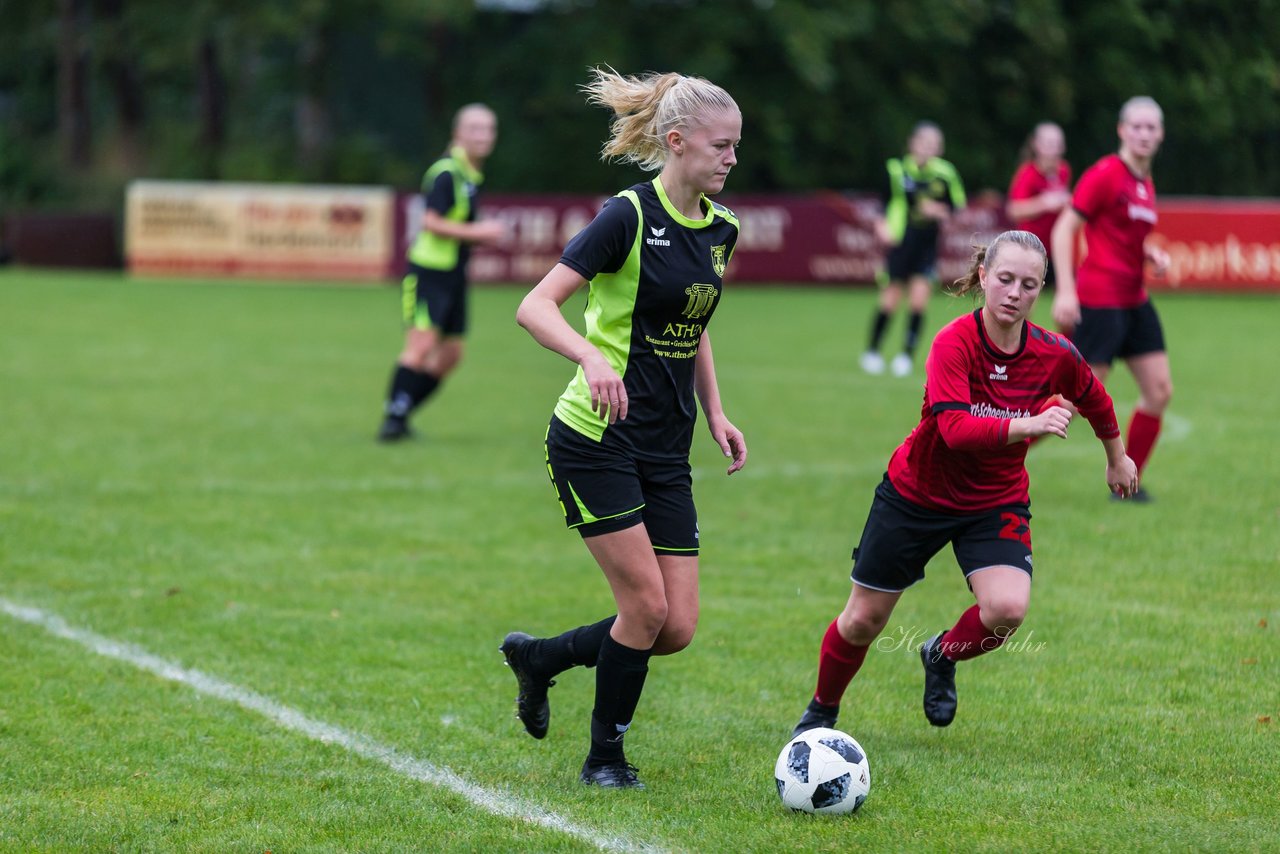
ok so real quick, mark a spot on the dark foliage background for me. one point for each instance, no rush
(96, 92)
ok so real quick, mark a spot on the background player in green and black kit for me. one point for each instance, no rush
(921, 192)
(618, 445)
(435, 288)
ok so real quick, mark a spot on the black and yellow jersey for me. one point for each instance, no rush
(907, 183)
(450, 187)
(655, 279)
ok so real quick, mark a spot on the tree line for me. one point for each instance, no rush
(94, 93)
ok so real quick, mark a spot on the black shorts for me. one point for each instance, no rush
(916, 255)
(1105, 334)
(603, 489)
(900, 537)
(435, 298)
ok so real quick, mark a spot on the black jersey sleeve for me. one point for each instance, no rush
(439, 196)
(603, 246)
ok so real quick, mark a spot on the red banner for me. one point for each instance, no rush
(822, 238)
(826, 238)
(1219, 243)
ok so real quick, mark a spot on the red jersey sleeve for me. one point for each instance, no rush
(1094, 192)
(1081, 387)
(947, 390)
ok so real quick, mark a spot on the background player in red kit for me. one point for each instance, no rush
(1041, 187)
(1104, 305)
(961, 478)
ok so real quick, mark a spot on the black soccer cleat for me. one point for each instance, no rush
(532, 707)
(816, 715)
(939, 683)
(1141, 496)
(614, 775)
(394, 430)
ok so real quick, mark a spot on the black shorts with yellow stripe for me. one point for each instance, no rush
(603, 489)
(435, 298)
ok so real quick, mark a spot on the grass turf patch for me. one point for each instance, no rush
(190, 467)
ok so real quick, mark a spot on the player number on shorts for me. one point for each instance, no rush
(1015, 528)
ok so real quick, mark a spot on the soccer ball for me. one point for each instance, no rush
(823, 771)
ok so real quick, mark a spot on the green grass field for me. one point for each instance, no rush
(189, 468)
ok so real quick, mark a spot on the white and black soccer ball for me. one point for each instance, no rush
(823, 771)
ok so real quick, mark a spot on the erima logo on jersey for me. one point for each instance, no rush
(999, 374)
(657, 240)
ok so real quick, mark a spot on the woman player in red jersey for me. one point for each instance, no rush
(1041, 187)
(1104, 305)
(960, 477)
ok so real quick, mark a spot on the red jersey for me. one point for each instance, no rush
(1120, 211)
(1029, 182)
(957, 459)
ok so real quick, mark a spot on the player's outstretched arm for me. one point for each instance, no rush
(485, 232)
(729, 438)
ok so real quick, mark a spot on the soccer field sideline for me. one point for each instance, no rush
(500, 803)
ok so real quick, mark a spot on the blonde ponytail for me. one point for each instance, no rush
(646, 108)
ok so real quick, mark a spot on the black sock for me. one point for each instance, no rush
(913, 332)
(576, 646)
(878, 323)
(409, 388)
(620, 675)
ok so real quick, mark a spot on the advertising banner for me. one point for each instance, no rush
(1219, 244)
(361, 233)
(823, 238)
(267, 230)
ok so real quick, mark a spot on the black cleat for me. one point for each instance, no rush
(939, 683)
(1139, 497)
(532, 707)
(816, 715)
(615, 775)
(394, 429)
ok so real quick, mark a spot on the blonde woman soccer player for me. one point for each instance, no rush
(435, 289)
(991, 385)
(617, 448)
(1104, 305)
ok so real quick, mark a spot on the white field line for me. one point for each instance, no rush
(496, 802)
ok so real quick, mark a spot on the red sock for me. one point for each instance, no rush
(970, 638)
(1143, 430)
(838, 661)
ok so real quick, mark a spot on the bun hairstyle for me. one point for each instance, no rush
(970, 283)
(645, 108)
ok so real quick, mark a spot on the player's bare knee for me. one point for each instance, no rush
(648, 613)
(860, 627)
(675, 636)
(1004, 613)
(1156, 399)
